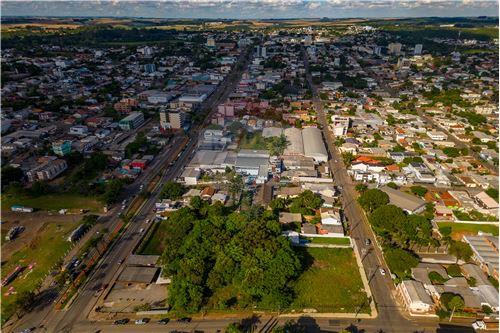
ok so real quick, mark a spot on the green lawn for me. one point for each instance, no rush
(53, 202)
(43, 252)
(329, 240)
(331, 283)
(459, 229)
(153, 244)
(253, 141)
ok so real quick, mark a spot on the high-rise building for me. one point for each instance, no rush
(418, 49)
(340, 125)
(394, 48)
(377, 50)
(263, 52)
(210, 42)
(150, 68)
(172, 119)
(62, 147)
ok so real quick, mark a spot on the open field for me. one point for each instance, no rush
(53, 202)
(329, 240)
(460, 229)
(331, 283)
(153, 244)
(43, 252)
(253, 141)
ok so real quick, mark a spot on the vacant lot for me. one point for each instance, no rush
(460, 229)
(331, 282)
(329, 240)
(253, 141)
(42, 253)
(52, 202)
(153, 243)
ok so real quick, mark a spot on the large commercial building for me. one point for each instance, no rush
(307, 142)
(133, 120)
(485, 249)
(313, 144)
(394, 48)
(48, 169)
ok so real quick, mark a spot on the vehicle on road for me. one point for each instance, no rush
(141, 230)
(368, 242)
(479, 325)
(163, 321)
(121, 321)
(120, 262)
(184, 320)
(382, 271)
(142, 321)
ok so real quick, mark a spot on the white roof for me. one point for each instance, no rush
(313, 144)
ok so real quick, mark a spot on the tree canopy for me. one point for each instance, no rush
(372, 199)
(222, 259)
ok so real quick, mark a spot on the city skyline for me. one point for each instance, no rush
(265, 9)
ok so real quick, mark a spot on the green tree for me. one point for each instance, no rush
(306, 203)
(456, 303)
(172, 190)
(418, 190)
(11, 174)
(361, 188)
(24, 301)
(460, 250)
(277, 145)
(400, 261)
(372, 199)
(451, 152)
(113, 189)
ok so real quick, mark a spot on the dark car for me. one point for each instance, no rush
(163, 321)
(121, 321)
(368, 241)
(184, 320)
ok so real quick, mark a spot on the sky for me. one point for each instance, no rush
(251, 9)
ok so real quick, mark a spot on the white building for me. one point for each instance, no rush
(418, 49)
(394, 48)
(415, 299)
(340, 125)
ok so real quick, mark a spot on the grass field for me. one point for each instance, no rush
(253, 141)
(43, 252)
(154, 243)
(53, 202)
(331, 283)
(460, 229)
(329, 240)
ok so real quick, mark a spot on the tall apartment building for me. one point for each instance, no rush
(133, 120)
(418, 49)
(394, 48)
(172, 119)
(340, 125)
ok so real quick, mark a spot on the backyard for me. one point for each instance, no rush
(330, 283)
(42, 253)
(329, 240)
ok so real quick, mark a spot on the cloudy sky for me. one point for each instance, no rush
(252, 8)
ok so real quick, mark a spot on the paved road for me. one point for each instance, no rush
(108, 269)
(381, 285)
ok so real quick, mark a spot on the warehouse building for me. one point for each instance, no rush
(133, 120)
(313, 144)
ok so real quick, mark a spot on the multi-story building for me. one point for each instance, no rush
(172, 119)
(62, 147)
(340, 125)
(78, 130)
(133, 120)
(394, 48)
(418, 49)
(49, 168)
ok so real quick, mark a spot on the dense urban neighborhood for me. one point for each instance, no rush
(224, 175)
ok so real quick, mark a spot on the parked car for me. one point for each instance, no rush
(163, 321)
(142, 321)
(184, 320)
(368, 242)
(121, 321)
(382, 271)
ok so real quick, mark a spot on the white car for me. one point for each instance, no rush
(382, 271)
(142, 321)
(142, 229)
